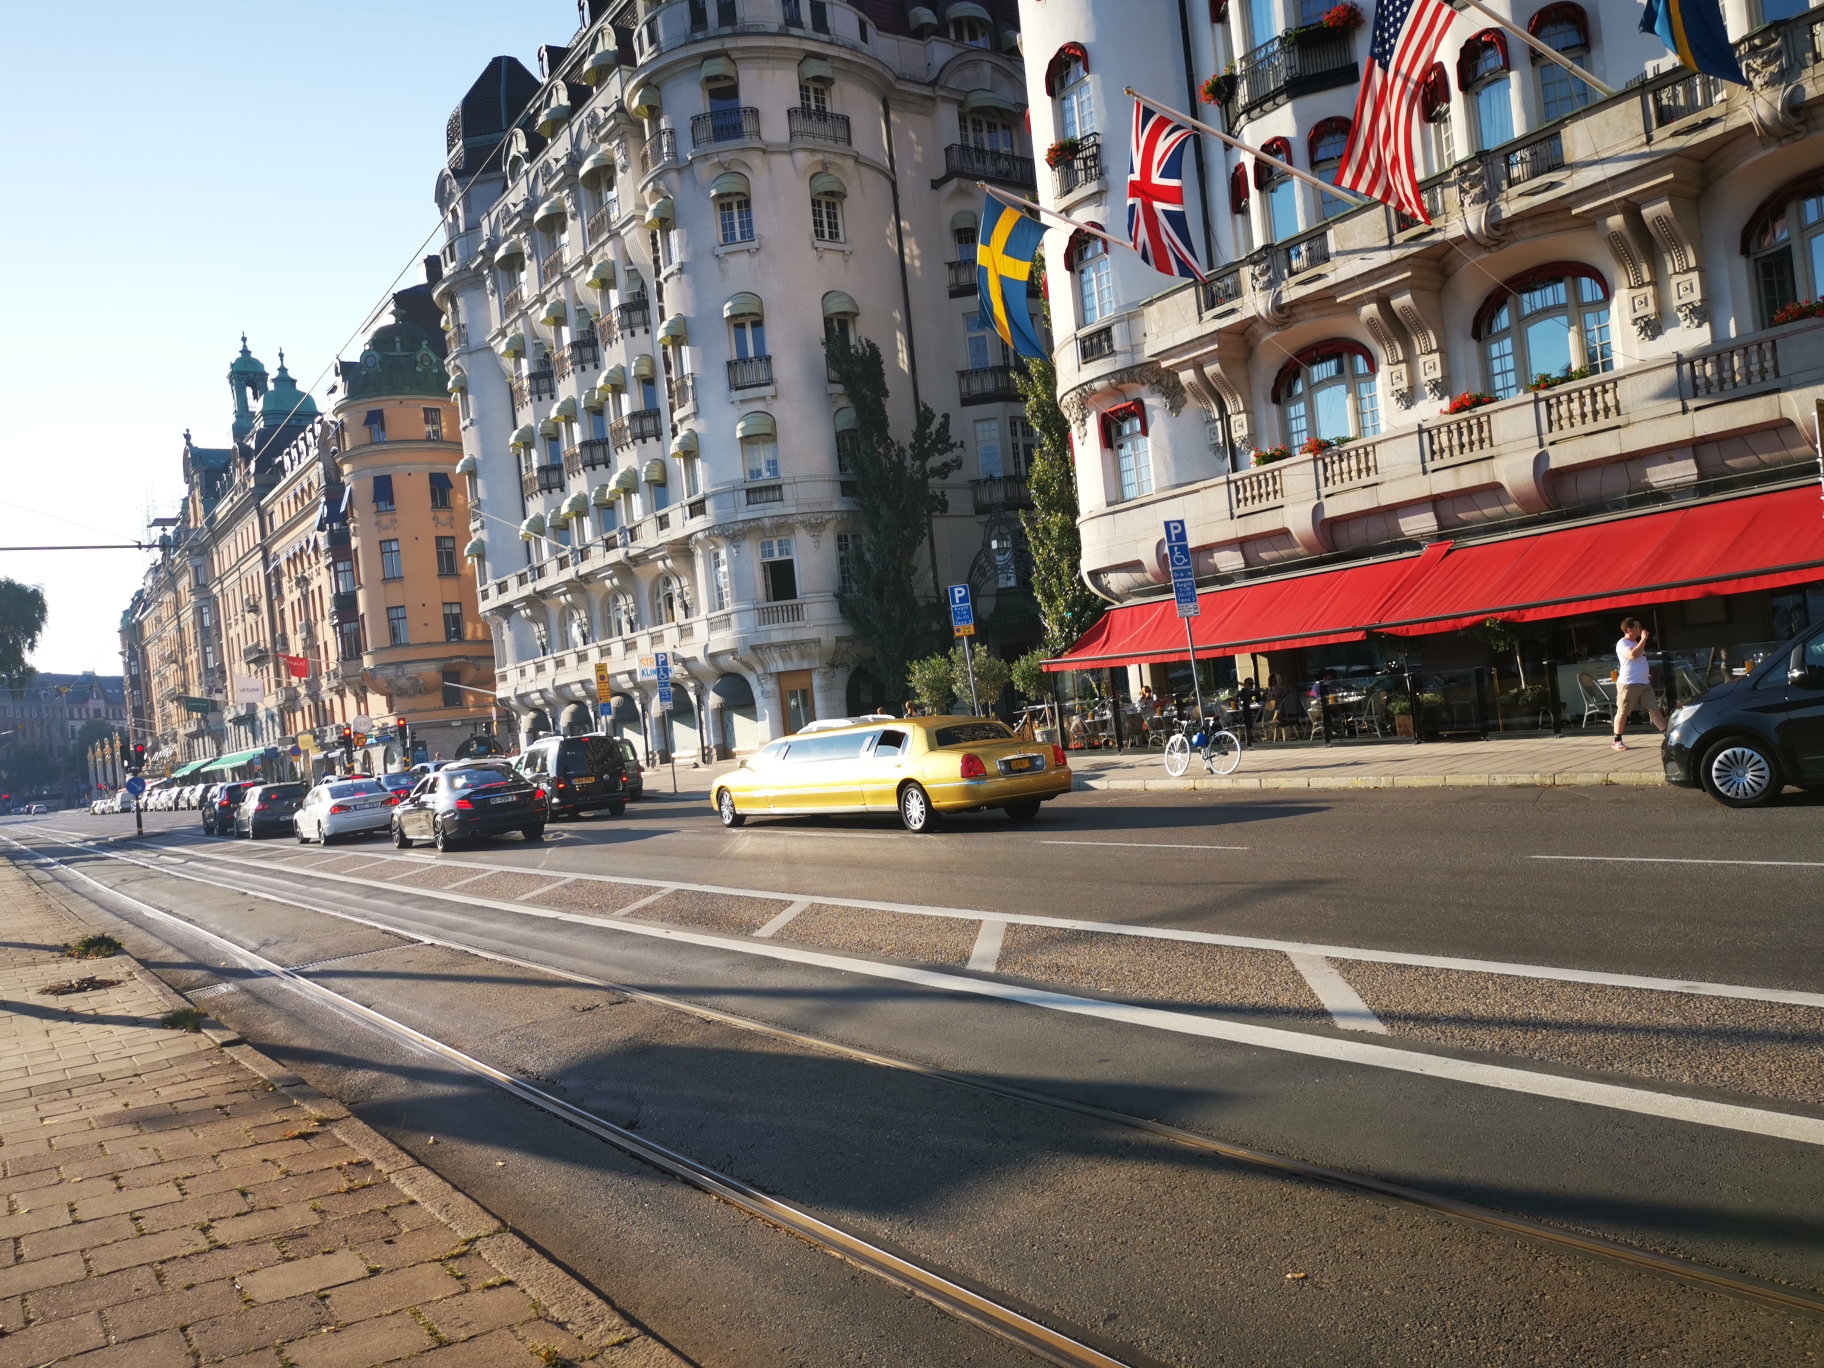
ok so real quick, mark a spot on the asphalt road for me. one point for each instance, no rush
(1171, 1255)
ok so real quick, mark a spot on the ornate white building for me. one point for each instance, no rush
(645, 247)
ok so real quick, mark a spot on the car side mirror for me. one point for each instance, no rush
(1806, 677)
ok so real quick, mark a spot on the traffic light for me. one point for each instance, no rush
(139, 755)
(348, 743)
(402, 731)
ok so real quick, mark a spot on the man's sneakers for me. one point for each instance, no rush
(1618, 744)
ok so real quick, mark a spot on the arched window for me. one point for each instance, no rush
(827, 194)
(1281, 190)
(1785, 241)
(1566, 29)
(986, 130)
(734, 208)
(1076, 110)
(1551, 323)
(759, 438)
(1124, 432)
(1087, 257)
(1326, 143)
(1482, 76)
(970, 32)
(577, 622)
(1329, 391)
(668, 600)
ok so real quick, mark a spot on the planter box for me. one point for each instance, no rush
(1402, 724)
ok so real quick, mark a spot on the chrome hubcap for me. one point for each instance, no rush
(1740, 773)
(728, 806)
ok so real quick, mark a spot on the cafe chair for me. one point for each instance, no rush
(1595, 703)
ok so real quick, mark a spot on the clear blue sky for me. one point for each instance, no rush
(181, 172)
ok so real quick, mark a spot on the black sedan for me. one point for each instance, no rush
(463, 802)
(218, 807)
(1746, 740)
(266, 810)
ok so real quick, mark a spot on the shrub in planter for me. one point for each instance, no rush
(1062, 151)
(1269, 455)
(1464, 402)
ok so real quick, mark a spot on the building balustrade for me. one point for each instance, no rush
(683, 390)
(522, 395)
(1081, 169)
(551, 266)
(512, 302)
(987, 385)
(963, 161)
(541, 479)
(778, 614)
(635, 315)
(765, 494)
(999, 492)
(1288, 66)
(661, 150)
(1093, 346)
(560, 363)
(724, 125)
(542, 382)
(601, 223)
(1303, 254)
(819, 125)
(642, 425)
(592, 453)
(750, 372)
(963, 278)
(585, 353)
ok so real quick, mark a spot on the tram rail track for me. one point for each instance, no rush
(1689, 1272)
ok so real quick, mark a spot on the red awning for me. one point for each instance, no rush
(1762, 541)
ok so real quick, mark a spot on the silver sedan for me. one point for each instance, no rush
(342, 807)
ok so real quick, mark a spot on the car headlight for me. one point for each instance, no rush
(1681, 715)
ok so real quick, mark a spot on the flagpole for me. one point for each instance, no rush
(1544, 49)
(1237, 143)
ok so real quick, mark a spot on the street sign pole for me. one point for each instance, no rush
(1184, 592)
(975, 704)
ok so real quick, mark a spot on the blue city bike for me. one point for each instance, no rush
(1220, 750)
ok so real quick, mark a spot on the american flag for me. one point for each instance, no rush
(1379, 158)
(1156, 223)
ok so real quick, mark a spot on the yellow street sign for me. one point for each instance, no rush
(601, 682)
(963, 629)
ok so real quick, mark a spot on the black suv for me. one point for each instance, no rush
(218, 810)
(266, 810)
(580, 773)
(1746, 740)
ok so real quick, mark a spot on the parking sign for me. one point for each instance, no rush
(962, 611)
(1178, 559)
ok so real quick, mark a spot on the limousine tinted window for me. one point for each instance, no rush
(834, 746)
(970, 732)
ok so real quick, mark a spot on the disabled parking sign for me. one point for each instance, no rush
(1178, 561)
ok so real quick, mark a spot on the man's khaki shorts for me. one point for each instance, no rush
(1631, 698)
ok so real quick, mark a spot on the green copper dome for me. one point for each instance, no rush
(399, 360)
(285, 401)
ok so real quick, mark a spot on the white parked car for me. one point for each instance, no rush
(343, 807)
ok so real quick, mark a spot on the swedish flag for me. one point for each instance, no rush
(1004, 251)
(1693, 30)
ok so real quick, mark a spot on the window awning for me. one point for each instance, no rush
(1733, 546)
(190, 768)
(744, 304)
(235, 760)
(729, 183)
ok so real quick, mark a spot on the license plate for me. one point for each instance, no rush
(1020, 764)
(581, 782)
(369, 803)
(505, 798)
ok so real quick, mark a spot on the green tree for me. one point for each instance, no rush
(1066, 605)
(30, 769)
(932, 682)
(991, 674)
(893, 487)
(21, 624)
(1029, 678)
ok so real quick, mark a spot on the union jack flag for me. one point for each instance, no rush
(1156, 223)
(1378, 160)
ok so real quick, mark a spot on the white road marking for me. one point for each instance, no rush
(650, 898)
(473, 878)
(1618, 1097)
(1145, 845)
(551, 887)
(1339, 997)
(986, 955)
(780, 922)
(1667, 859)
(1795, 996)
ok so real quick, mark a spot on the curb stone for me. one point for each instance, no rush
(1217, 782)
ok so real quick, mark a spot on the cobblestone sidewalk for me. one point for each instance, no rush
(171, 1201)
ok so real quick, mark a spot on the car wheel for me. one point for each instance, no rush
(915, 810)
(1739, 772)
(1023, 811)
(400, 840)
(725, 809)
(298, 831)
(616, 809)
(439, 837)
(534, 833)
(324, 836)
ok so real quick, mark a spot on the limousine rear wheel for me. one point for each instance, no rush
(725, 809)
(915, 810)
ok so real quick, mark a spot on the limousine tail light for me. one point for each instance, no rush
(464, 803)
(973, 768)
(1059, 760)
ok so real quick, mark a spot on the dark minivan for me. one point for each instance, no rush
(1747, 739)
(580, 773)
(266, 810)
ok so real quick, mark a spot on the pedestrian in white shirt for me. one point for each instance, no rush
(1633, 683)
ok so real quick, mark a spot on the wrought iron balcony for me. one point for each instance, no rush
(543, 383)
(642, 425)
(683, 390)
(1293, 64)
(541, 479)
(601, 223)
(750, 372)
(551, 265)
(592, 453)
(522, 396)
(818, 124)
(635, 315)
(512, 302)
(1096, 345)
(987, 385)
(1085, 168)
(1000, 492)
(661, 150)
(724, 125)
(585, 354)
(1534, 160)
(1218, 292)
(1304, 254)
(560, 363)
(962, 278)
(988, 163)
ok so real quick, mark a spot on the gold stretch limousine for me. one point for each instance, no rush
(922, 767)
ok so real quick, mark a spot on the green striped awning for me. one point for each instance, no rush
(190, 768)
(234, 760)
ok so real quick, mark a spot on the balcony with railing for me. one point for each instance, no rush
(1093, 346)
(818, 125)
(750, 372)
(999, 493)
(1304, 253)
(560, 363)
(642, 425)
(521, 392)
(634, 316)
(725, 125)
(1298, 63)
(592, 453)
(987, 385)
(541, 479)
(661, 150)
(601, 222)
(551, 265)
(512, 301)
(542, 382)
(1219, 291)
(585, 353)
(962, 161)
(683, 391)
(962, 278)
(1083, 167)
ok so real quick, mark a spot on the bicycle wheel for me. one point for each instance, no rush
(1177, 756)
(1224, 752)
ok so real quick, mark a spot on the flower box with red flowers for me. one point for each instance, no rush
(1464, 402)
(1264, 456)
(1799, 309)
(1063, 151)
(1345, 16)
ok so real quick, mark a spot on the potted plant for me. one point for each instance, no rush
(1219, 90)
(1464, 402)
(1062, 151)
(1400, 710)
(1799, 309)
(1264, 456)
(1346, 16)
